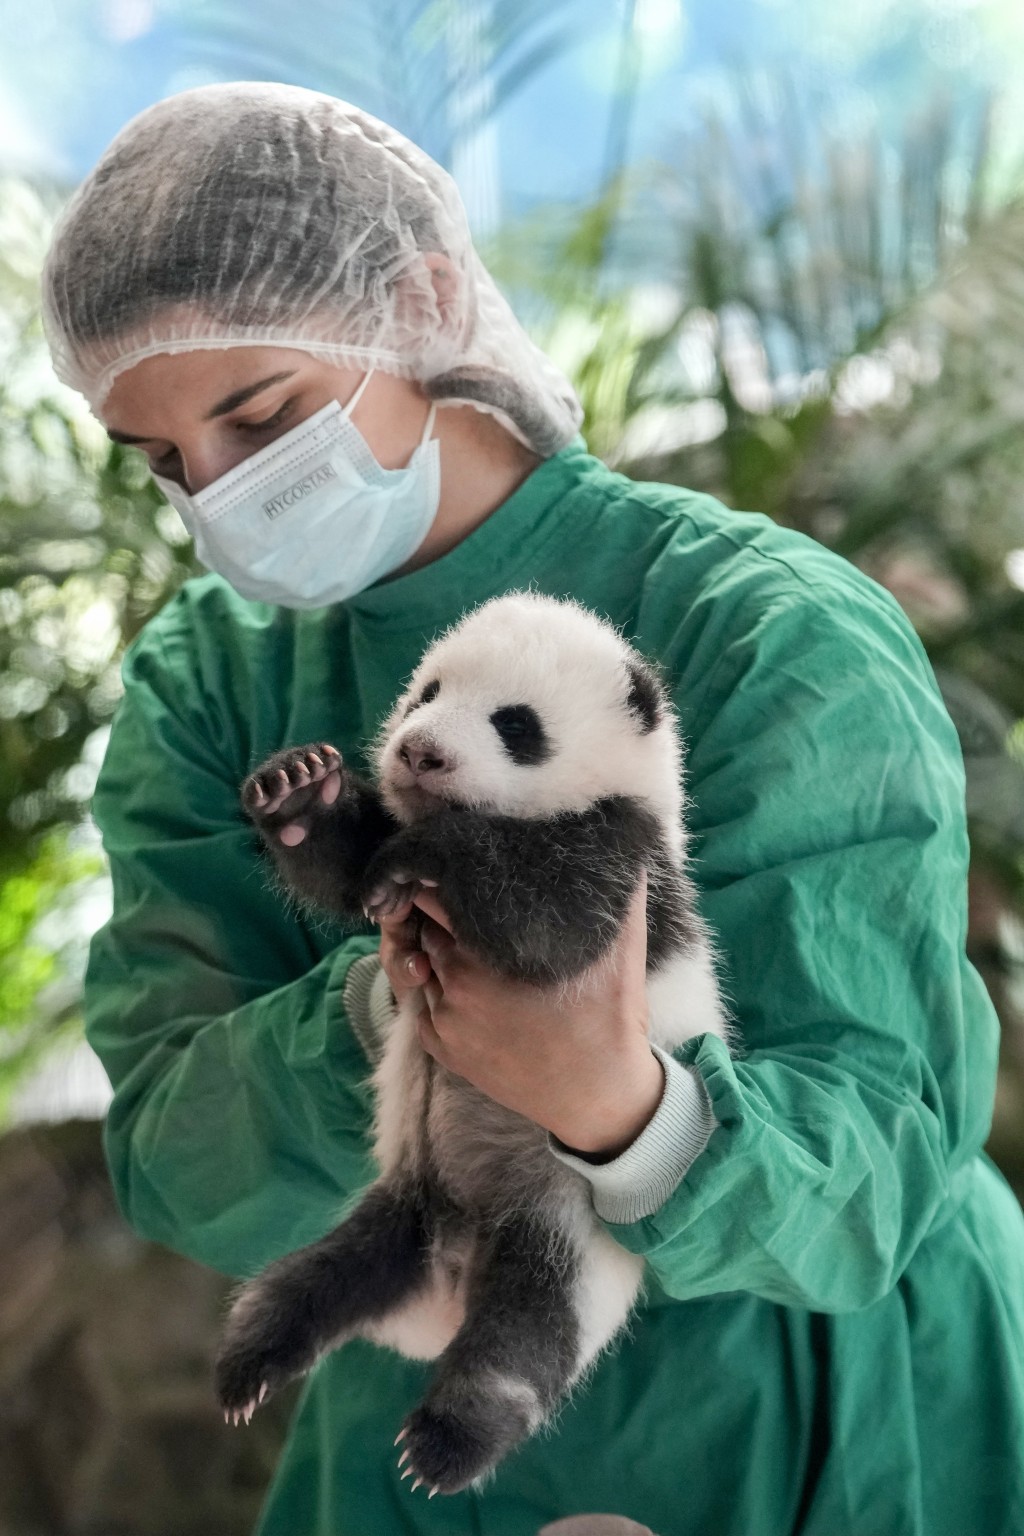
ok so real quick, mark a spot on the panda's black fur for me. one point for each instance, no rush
(531, 772)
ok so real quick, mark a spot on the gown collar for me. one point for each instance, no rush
(528, 536)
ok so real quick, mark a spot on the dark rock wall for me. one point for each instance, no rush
(108, 1423)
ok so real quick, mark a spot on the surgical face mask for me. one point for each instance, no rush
(313, 518)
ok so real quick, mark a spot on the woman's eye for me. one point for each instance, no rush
(269, 423)
(166, 460)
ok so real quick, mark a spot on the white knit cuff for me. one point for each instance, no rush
(640, 1179)
(369, 1004)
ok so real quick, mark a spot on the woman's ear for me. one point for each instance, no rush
(446, 285)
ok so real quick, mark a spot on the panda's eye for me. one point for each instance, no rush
(522, 734)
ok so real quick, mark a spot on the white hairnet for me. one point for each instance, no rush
(258, 214)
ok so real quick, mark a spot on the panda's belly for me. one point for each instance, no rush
(424, 1325)
(491, 1161)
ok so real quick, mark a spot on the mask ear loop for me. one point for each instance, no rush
(350, 407)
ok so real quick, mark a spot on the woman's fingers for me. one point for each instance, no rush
(433, 994)
(406, 965)
(413, 950)
(428, 1035)
(428, 903)
(417, 968)
(435, 938)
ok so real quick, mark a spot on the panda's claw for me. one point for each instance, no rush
(394, 899)
(287, 783)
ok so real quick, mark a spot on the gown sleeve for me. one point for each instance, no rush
(831, 854)
(239, 1126)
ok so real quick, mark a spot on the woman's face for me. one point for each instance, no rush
(196, 415)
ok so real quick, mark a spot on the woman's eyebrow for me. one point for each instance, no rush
(229, 403)
(240, 396)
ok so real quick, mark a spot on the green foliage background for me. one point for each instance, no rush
(821, 331)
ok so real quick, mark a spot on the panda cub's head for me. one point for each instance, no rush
(528, 707)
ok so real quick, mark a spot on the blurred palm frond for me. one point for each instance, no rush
(832, 333)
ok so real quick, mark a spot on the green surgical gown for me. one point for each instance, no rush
(831, 1340)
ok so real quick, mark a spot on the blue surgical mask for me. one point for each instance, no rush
(313, 518)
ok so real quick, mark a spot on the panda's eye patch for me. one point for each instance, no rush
(522, 734)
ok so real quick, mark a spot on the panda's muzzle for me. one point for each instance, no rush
(421, 755)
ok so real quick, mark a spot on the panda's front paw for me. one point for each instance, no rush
(393, 895)
(406, 862)
(290, 786)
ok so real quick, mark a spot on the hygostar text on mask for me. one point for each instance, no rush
(301, 488)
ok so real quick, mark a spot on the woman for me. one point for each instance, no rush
(271, 294)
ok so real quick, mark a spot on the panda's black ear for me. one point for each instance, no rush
(644, 697)
(430, 692)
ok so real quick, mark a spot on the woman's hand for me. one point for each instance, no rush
(581, 1068)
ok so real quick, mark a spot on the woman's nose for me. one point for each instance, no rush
(204, 463)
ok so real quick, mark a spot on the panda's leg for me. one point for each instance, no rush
(511, 1361)
(320, 822)
(312, 1300)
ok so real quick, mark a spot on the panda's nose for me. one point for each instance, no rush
(420, 755)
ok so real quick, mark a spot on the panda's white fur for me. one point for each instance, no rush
(433, 1129)
(571, 667)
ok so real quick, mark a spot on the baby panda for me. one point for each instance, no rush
(531, 772)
